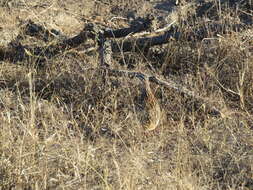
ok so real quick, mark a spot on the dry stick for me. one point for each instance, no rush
(169, 32)
(160, 30)
(197, 34)
(138, 26)
(144, 43)
(105, 54)
(90, 31)
(170, 84)
(16, 48)
(105, 51)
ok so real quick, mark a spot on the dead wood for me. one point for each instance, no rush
(106, 48)
(144, 43)
(40, 32)
(196, 34)
(105, 52)
(17, 52)
(144, 78)
(90, 31)
(168, 83)
(139, 25)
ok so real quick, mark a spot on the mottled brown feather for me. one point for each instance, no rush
(154, 109)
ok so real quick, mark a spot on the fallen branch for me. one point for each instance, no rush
(169, 84)
(144, 43)
(90, 31)
(138, 26)
(40, 32)
(199, 33)
(17, 52)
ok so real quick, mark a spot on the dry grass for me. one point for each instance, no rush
(63, 127)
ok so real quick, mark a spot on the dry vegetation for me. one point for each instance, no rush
(66, 127)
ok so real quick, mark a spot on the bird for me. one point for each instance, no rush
(154, 109)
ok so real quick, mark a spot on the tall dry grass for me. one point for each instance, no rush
(63, 127)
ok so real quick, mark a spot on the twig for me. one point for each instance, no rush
(144, 43)
(138, 26)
